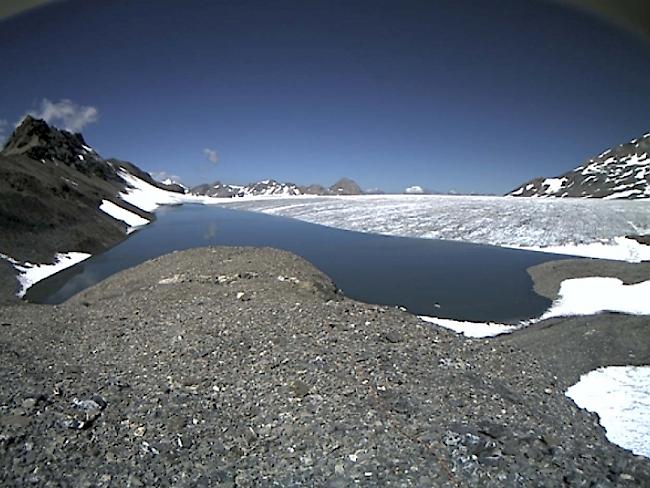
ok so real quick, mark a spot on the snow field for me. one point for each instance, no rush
(620, 395)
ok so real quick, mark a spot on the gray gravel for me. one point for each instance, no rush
(205, 368)
(574, 346)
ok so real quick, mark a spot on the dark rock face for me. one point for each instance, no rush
(37, 140)
(51, 186)
(620, 172)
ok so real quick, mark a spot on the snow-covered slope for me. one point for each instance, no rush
(60, 200)
(147, 197)
(620, 172)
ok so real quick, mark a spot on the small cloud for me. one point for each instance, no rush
(65, 114)
(414, 190)
(211, 155)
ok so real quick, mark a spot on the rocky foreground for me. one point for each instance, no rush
(245, 367)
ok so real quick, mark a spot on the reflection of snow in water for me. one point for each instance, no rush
(581, 227)
(620, 395)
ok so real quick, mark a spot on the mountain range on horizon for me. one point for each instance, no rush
(271, 187)
(57, 192)
(622, 171)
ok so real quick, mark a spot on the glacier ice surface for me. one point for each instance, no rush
(573, 226)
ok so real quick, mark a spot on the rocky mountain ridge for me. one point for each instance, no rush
(52, 184)
(621, 172)
(344, 186)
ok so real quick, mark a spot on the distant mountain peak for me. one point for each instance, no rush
(33, 132)
(619, 172)
(346, 186)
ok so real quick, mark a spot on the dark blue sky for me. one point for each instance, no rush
(450, 95)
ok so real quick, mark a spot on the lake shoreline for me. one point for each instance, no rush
(425, 276)
(204, 365)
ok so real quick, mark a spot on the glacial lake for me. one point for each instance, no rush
(428, 277)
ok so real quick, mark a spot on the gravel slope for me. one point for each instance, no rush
(203, 368)
(574, 346)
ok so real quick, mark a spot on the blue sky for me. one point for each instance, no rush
(450, 95)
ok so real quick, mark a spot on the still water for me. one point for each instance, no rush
(427, 277)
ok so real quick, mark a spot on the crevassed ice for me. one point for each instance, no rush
(582, 227)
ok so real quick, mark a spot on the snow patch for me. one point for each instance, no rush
(637, 160)
(32, 273)
(623, 194)
(471, 329)
(577, 296)
(620, 395)
(589, 296)
(553, 184)
(131, 219)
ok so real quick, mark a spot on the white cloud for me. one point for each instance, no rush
(65, 114)
(414, 190)
(211, 155)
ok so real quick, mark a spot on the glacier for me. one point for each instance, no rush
(580, 227)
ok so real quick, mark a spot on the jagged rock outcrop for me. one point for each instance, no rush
(37, 140)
